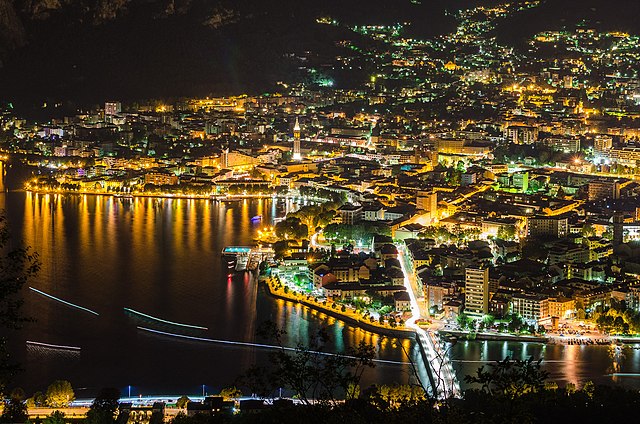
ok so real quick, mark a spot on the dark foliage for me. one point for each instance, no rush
(308, 371)
(17, 265)
(15, 410)
(104, 407)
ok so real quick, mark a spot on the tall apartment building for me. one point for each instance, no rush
(476, 292)
(604, 189)
(565, 144)
(349, 214)
(555, 226)
(602, 144)
(520, 134)
(112, 108)
(531, 307)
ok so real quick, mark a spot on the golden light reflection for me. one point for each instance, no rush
(175, 220)
(83, 218)
(571, 354)
(117, 231)
(244, 216)
(59, 222)
(204, 222)
(96, 213)
(111, 222)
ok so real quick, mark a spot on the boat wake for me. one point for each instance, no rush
(57, 299)
(249, 344)
(52, 351)
(164, 321)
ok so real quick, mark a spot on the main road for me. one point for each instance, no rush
(443, 378)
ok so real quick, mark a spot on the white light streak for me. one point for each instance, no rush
(53, 346)
(57, 299)
(133, 311)
(260, 345)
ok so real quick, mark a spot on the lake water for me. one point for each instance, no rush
(161, 257)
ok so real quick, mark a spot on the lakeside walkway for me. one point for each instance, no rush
(349, 316)
(442, 378)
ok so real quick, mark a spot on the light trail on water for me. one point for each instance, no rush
(53, 346)
(260, 345)
(57, 299)
(164, 321)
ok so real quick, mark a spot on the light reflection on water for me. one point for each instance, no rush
(160, 257)
(566, 363)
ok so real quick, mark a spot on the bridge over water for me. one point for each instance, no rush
(442, 377)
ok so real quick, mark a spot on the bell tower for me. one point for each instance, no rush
(296, 141)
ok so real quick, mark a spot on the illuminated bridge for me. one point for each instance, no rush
(442, 377)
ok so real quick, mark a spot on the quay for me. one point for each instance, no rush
(248, 258)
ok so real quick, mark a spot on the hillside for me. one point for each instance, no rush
(89, 50)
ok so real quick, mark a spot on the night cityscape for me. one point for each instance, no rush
(218, 211)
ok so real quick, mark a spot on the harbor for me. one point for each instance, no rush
(247, 258)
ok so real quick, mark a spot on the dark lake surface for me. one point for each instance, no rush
(162, 257)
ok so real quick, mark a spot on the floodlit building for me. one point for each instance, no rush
(604, 189)
(531, 307)
(476, 303)
(296, 141)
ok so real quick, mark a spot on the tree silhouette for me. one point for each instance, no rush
(17, 265)
(510, 378)
(312, 373)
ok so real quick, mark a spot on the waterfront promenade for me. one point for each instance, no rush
(442, 378)
(349, 316)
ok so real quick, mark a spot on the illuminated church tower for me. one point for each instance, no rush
(296, 141)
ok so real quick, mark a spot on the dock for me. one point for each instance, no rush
(248, 258)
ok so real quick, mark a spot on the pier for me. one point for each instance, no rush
(248, 258)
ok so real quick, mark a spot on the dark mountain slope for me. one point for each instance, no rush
(90, 50)
(607, 15)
